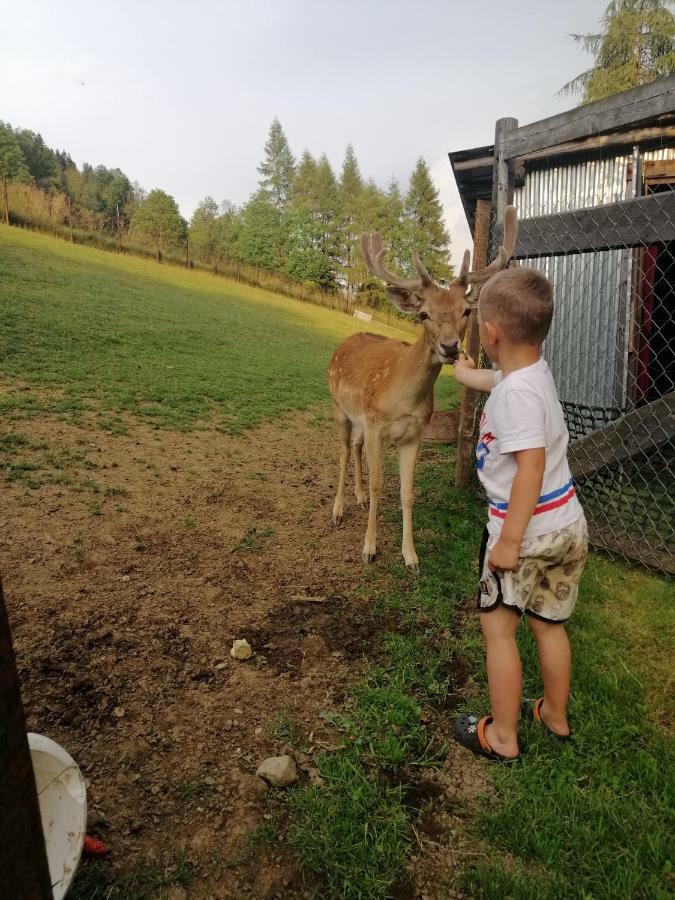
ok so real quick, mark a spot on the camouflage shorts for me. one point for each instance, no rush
(546, 582)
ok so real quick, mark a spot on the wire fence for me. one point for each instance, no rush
(611, 347)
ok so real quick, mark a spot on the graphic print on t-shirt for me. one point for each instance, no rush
(483, 446)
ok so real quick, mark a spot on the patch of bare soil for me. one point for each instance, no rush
(125, 599)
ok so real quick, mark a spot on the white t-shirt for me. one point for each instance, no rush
(523, 412)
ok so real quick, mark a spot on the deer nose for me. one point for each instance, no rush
(450, 349)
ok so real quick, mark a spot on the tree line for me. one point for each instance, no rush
(304, 220)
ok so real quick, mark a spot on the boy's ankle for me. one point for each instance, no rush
(504, 742)
(554, 720)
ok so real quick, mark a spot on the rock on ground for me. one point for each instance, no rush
(241, 650)
(278, 771)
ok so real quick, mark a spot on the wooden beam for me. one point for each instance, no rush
(466, 457)
(642, 221)
(485, 162)
(640, 431)
(661, 134)
(631, 548)
(24, 874)
(627, 108)
(664, 133)
(503, 177)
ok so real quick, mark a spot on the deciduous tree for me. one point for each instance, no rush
(158, 219)
(12, 163)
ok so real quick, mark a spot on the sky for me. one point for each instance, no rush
(180, 95)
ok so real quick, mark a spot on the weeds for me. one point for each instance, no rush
(187, 791)
(97, 880)
(283, 729)
(253, 540)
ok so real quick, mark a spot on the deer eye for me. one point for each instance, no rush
(423, 316)
(467, 311)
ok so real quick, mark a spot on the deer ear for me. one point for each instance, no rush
(403, 299)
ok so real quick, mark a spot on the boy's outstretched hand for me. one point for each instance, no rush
(467, 374)
(464, 361)
(503, 556)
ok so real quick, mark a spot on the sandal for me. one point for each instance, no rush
(470, 733)
(531, 709)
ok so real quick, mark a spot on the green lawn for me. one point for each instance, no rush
(588, 820)
(592, 819)
(122, 334)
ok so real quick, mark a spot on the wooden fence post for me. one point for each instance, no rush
(467, 413)
(24, 872)
(503, 182)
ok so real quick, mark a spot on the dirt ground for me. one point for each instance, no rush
(126, 588)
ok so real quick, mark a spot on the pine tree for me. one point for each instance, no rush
(350, 194)
(260, 238)
(424, 228)
(635, 46)
(351, 182)
(373, 215)
(304, 182)
(278, 167)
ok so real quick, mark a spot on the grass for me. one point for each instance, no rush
(254, 539)
(120, 335)
(34, 464)
(187, 791)
(355, 832)
(593, 819)
(283, 729)
(97, 880)
(96, 335)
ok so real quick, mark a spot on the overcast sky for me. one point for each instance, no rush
(180, 95)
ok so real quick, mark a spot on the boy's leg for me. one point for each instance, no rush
(555, 661)
(504, 678)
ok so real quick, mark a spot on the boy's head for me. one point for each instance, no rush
(515, 306)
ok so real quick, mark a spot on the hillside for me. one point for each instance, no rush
(123, 334)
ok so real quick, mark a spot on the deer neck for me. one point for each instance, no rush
(422, 370)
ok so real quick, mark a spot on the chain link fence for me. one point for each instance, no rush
(611, 347)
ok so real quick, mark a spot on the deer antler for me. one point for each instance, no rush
(373, 256)
(504, 253)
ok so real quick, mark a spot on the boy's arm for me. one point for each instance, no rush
(476, 379)
(525, 492)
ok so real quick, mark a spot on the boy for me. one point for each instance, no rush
(536, 542)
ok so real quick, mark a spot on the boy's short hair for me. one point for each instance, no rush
(521, 302)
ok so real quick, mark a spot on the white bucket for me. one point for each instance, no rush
(63, 808)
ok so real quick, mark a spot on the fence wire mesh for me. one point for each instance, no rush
(611, 348)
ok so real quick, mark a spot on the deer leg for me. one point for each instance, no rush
(358, 469)
(374, 454)
(407, 461)
(345, 434)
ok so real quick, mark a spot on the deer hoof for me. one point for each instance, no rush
(368, 558)
(362, 503)
(337, 520)
(412, 563)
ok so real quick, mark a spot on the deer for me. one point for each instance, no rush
(383, 389)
